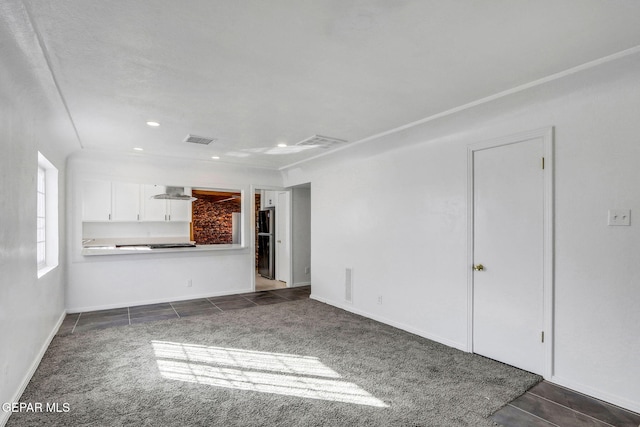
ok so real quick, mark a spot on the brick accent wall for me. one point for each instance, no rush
(212, 221)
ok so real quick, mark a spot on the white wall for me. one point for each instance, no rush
(97, 282)
(301, 235)
(32, 119)
(397, 216)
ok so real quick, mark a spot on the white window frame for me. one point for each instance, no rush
(41, 218)
(47, 216)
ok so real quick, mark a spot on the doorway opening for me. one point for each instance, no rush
(267, 257)
(282, 234)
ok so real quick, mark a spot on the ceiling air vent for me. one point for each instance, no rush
(195, 139)
(321, 141)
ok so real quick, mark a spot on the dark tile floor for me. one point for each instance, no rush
(94, 320)
(549, 405)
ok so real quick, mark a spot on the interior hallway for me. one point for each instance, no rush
(264, 284)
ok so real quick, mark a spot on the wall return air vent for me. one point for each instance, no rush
(348, 285)
(195, 139)
(321, 141)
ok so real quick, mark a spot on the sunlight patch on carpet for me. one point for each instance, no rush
(277, 373)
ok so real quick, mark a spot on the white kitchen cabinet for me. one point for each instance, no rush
(161, 209)
(153, 209)
(96, 200)
(179, 210)
(104, 201)
(110, 201)
(268, 199)
(125, 201)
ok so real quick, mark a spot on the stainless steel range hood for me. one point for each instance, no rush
(175, 193)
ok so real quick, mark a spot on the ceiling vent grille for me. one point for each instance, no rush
(195, 139)
(321, 141)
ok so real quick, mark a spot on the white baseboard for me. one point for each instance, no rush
(4, 416)
(598, 394)
(156, 301)
(381, 319)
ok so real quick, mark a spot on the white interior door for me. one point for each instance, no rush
(283, 254)
(508, 241)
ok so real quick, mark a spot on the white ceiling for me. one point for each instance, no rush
(255, 73)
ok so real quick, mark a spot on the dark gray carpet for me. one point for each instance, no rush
(300, 363)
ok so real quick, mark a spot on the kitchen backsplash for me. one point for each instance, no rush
(97, 230)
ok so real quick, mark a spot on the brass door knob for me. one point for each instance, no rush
(478, 267)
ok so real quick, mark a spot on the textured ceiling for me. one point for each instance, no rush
(255, 73)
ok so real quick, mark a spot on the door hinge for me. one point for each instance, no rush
(543, 163)
(542, 336)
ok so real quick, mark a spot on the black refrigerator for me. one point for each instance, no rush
(266, 240)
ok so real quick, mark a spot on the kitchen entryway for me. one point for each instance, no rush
(272, 213)
(264, 284)
(282, 237)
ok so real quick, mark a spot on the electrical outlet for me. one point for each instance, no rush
(619, 217)
(307, 270)
(189, 283)
(380, 299)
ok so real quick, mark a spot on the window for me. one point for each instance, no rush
(41, 239)
(46, 216)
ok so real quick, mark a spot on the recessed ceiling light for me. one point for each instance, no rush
(215, 157)
(282, 144)
(153, 124)
(139, 149)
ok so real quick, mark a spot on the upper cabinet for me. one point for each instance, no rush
(153, 209)
(179, 210)
(268, 198)
(163, 209)
(96, 200)
(110, 201)
(123, 201)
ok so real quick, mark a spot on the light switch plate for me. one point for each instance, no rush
(619, 217)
